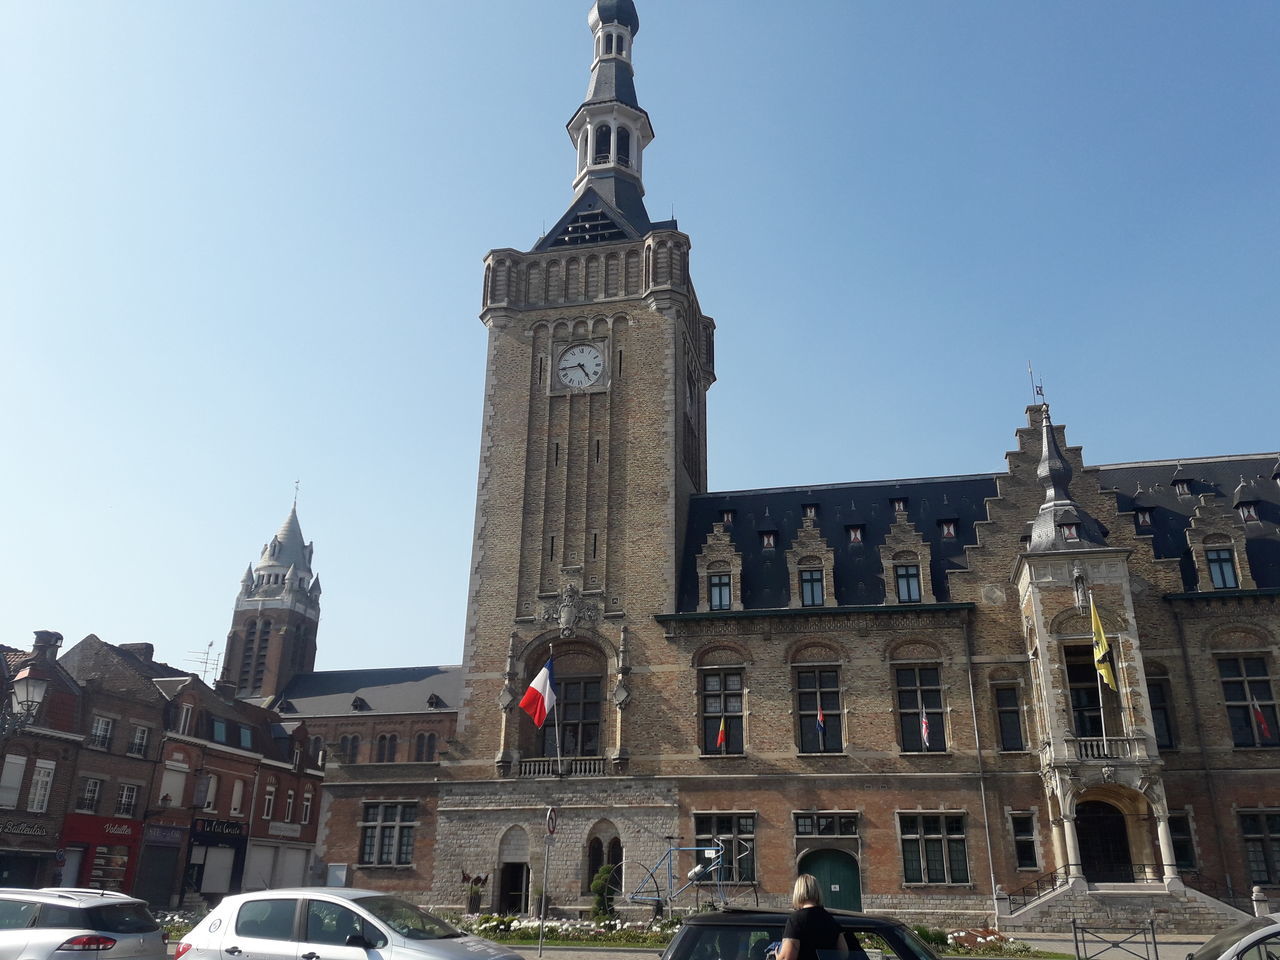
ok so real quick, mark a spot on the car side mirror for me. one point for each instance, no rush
(356, 940)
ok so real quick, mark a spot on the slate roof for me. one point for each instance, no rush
(858, 575)
(382, 690)
(1171, 514)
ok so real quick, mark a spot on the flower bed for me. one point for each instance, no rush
(505, 929)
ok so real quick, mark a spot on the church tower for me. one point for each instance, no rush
(273, 630)
(594, 424)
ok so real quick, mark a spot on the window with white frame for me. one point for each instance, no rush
(237, 798)
(15, 765)
(100, 733)
(41, 786)
(184, 719)
(386, 834)
(288, 806)
(211, 797)
(87, 799)
(269, 802)
(933, 848)
(127, 800)
(138, 742)
(306, 806)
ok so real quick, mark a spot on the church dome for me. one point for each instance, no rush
(615, 11)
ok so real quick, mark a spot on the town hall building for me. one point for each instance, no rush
(891, 685)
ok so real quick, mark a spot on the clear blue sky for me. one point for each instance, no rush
(241, 243)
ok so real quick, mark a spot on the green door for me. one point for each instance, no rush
(837, 876)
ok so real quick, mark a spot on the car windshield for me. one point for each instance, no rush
(1228, 937)
(409, 921)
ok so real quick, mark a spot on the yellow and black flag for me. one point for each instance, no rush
(1102, 659)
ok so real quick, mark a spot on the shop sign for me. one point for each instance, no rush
(84, 828)
(163, 835)
(278, 828)
(218, 828)
(24, 828)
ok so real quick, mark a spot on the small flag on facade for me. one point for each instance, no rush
(540, 698)
(720, 737)
(822, 725)
(1101, 649)
(924, 726)
(1259, 717)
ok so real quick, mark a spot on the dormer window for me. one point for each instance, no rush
(434, 702)
(767, 541)
(726, 517)
(1182, 488)
(899, 504)
(948, 528)
(810, 511)
(360, 703)
(1144, 518)
(1070, 531)
(855, 533)
(1222, 569)
(1248, 511)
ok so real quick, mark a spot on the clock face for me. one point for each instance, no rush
(580, 365)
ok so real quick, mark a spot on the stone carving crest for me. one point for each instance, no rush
(1108, 774)
(569, 609)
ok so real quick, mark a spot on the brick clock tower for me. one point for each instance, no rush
(594, 437)
(277, 611)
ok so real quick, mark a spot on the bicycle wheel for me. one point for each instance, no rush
(742, 895)
(631, 882)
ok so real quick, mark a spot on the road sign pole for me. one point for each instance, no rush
(546, 861)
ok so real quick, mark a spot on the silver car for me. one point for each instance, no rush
(329, 923)
(1257, 938)
(59, 923)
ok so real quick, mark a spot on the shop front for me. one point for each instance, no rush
(101, 852)
(28, 853)
(217, 856)
(279, 860)
(160, 864)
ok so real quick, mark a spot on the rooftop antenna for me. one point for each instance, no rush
(206, 660)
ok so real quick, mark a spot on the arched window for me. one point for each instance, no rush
(622, 44)
(386, 751)
(393, 747)
(604, 145)
(353, 751)
(344, 749)
(582, 148)
(431, 748)
(317, 746)
(595, 858)
(615, 851)
(420, 748)
(608, 43)
(624, 146)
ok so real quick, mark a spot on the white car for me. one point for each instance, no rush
(1257, 938)
(329, 923)
(58, 923)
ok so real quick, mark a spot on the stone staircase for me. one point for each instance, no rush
(1175, 909)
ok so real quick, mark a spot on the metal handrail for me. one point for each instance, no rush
(1040, 886)
(1218, 889)
(1129, 873)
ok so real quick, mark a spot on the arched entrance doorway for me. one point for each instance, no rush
(837, 876)
(1104, 843)
(513, 872)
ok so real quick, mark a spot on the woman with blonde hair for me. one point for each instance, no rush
(811, 932)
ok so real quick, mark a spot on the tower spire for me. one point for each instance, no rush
(1061, 523)
(609, 132)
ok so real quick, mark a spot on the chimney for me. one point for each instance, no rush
(46, 645)
(143, 651)
(224, 688)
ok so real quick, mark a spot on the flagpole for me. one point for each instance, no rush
(551, 656)
(1097, 670)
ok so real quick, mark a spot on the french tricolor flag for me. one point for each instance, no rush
(540, 699)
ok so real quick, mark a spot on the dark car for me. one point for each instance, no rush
(755, 934)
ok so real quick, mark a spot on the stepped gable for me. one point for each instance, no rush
(858, 574)
(383, 690)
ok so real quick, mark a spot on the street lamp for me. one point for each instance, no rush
(26, 692)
